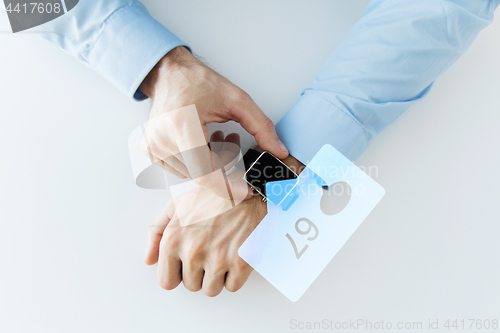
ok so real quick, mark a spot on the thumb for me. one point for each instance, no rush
(255, 122)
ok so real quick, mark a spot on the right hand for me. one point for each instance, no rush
(176, 83)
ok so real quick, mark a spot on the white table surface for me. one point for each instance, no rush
(73, 223)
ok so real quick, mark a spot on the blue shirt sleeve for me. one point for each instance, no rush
(386, 63)
(117, 38)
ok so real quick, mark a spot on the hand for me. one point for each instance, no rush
(205, 255)
(175, 138)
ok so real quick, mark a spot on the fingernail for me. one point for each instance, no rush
(282, 147)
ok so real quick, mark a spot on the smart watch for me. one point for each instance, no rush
(264, 167)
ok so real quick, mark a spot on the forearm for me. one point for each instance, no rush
(174, 61)
(386, 63)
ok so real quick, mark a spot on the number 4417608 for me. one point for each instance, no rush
(34, 8)
(472, 324)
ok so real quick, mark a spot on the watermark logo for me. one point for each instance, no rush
(210, 173)
(25, 15)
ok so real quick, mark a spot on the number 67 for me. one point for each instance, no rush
(310, 225)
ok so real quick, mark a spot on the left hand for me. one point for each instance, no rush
(203, 255)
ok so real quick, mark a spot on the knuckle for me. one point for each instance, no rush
(241, 273)
(241, 95)
(194, 257)
(237, 264)
(268, 124)
(220, 254)
(211, 292)
(170, 243)
(237, 99)
(233, 286)
(176, 118)
(195, 253)
(241, 265)
(168, 284)
(192, 287)
(169, 246)
(265, 128)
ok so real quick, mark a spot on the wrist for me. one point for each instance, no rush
(174, 60)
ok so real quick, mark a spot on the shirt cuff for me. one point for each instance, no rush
(129, 46)
(313, 122)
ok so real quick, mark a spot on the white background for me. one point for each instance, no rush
(73, 223)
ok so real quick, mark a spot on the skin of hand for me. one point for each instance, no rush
(180, 80)
(205, 255)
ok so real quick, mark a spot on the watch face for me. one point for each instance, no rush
(267, 168)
